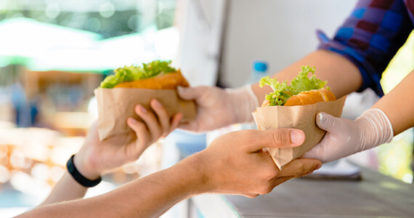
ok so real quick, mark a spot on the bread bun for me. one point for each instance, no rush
(311, 97)
(165, 81)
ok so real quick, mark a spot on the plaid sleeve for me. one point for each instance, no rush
(370, 37)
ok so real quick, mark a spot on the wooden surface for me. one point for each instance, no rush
(375, 195)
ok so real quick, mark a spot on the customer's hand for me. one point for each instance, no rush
(345, 137)
(219, 107)
(236, 163)
(96, 157)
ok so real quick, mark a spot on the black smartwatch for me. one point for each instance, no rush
(76, 175)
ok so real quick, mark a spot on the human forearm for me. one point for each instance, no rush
(153, 195)
(66, 189)
(398, 105)
(97, 157)
(146, 197)
(342, 75)
(234, 163)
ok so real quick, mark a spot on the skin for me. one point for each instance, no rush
(218, 170)
(234, 163)
(95, 157)
(227, 166)
(343, 76)
(398, 105)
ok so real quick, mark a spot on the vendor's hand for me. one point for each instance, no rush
(96, 157)
(345, 137)
(219, 107)
(236, 163)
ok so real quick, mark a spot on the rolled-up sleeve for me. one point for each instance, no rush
(370, 37)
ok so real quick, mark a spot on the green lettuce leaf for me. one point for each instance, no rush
(282, 91)
(304, 83)
(132, 73)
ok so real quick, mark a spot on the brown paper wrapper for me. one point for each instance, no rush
(116, 105)
(299, 117)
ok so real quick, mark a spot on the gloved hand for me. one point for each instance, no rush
(345, 137)
(219, 107)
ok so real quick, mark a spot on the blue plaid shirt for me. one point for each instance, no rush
(371, 36)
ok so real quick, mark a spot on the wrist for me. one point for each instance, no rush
(375, 128)
(195, 174)
(84, 166)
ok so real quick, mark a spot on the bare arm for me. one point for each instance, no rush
(66, 189)
(234, 163)
(398, 105)
(342, 75)
(95, 157)
(147, 197)
(217, 107)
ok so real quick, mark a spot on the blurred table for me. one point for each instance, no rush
(376, 195)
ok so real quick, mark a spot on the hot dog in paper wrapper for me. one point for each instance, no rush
(120, 93)
(296, 106)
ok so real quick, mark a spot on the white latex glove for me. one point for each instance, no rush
(345, 137)
(219, 107)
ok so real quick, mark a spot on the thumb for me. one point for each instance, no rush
(278, 138)
(327, 122)
(299, 167)
(316, 152)
(191, 92)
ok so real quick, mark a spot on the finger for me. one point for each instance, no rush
(300, 167)
(251, 195)
(191, 92)
(316, 152)
(150, 120)
(327, 122)
(278, 138)
(280, 180)
(143, 136)
(175, 121)
(162, 114)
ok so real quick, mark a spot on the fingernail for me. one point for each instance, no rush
(142, 109)
(156, 104)
(297, 137)
(321, 117)
(180, 89)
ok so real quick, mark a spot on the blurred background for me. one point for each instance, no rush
(54, 53)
